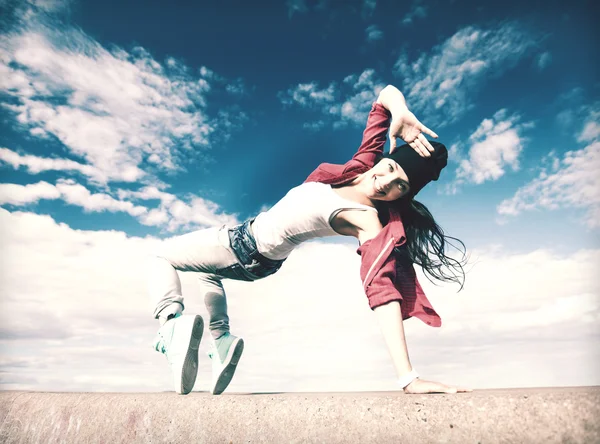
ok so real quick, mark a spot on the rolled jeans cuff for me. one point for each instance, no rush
(172, 309)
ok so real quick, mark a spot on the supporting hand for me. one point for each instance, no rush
(420, 386)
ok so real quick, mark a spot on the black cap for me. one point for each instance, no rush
(420, 170)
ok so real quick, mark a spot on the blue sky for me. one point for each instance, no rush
(138, 123)
(535, 65)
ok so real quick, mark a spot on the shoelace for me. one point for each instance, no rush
(212, 353)
(160, 344)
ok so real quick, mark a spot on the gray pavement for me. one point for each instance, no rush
(523, 415)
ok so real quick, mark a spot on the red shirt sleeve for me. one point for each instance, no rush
(374, 136)
(381, 289)
(378, 270)
(386, 279)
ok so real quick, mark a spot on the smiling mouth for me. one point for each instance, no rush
(377, 187)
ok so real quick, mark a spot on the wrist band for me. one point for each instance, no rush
(408, 378)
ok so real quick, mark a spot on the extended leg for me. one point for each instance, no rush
(227, 348)
(216, 304)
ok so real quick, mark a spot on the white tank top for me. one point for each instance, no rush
(304, 213)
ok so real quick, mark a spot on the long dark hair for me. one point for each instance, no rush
(426, 244)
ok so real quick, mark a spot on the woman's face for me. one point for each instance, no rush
(386, 181)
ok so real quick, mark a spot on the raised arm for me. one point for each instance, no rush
(374, 136)
(404, 123)
(392, 99)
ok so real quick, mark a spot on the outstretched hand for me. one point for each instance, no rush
(420, 386)
(406, 126)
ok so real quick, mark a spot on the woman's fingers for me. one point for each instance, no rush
(409, 129)
(424, 151)
(454, 389)
(425, 142)
(428, 131)
(392, 143)
(414, 146)
(418, 146)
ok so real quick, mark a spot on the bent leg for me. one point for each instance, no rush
(164, 288)
(204, 251)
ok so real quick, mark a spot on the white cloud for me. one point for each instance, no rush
(541, 275)
(342, 103)
(36, 164)
(198, 212)
(575, 184)
(118, 107)
(495, 146)
(571, 182)
(591, 127)
(175, 214)
(172, 214)
(374, 33)
(112, 109)
(14, 194)
(122, 116)
(308, 95)
(75, 316)
(543, 60)
(49, 5)
(69, 191)
(25, 10)
(417, 11)
(76, 194)
(441, 85)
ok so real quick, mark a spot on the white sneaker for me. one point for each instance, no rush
(225, 354)
(178, 339)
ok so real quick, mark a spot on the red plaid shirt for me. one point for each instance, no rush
(384, 279)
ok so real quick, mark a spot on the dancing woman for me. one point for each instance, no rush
(371, 197)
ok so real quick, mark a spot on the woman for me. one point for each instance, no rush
(370, 198)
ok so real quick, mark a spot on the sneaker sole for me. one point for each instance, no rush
(230, 364)
(189, 370)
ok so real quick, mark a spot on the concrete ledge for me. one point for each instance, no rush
(565, 415)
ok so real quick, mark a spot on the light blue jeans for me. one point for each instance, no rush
(213, 253)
